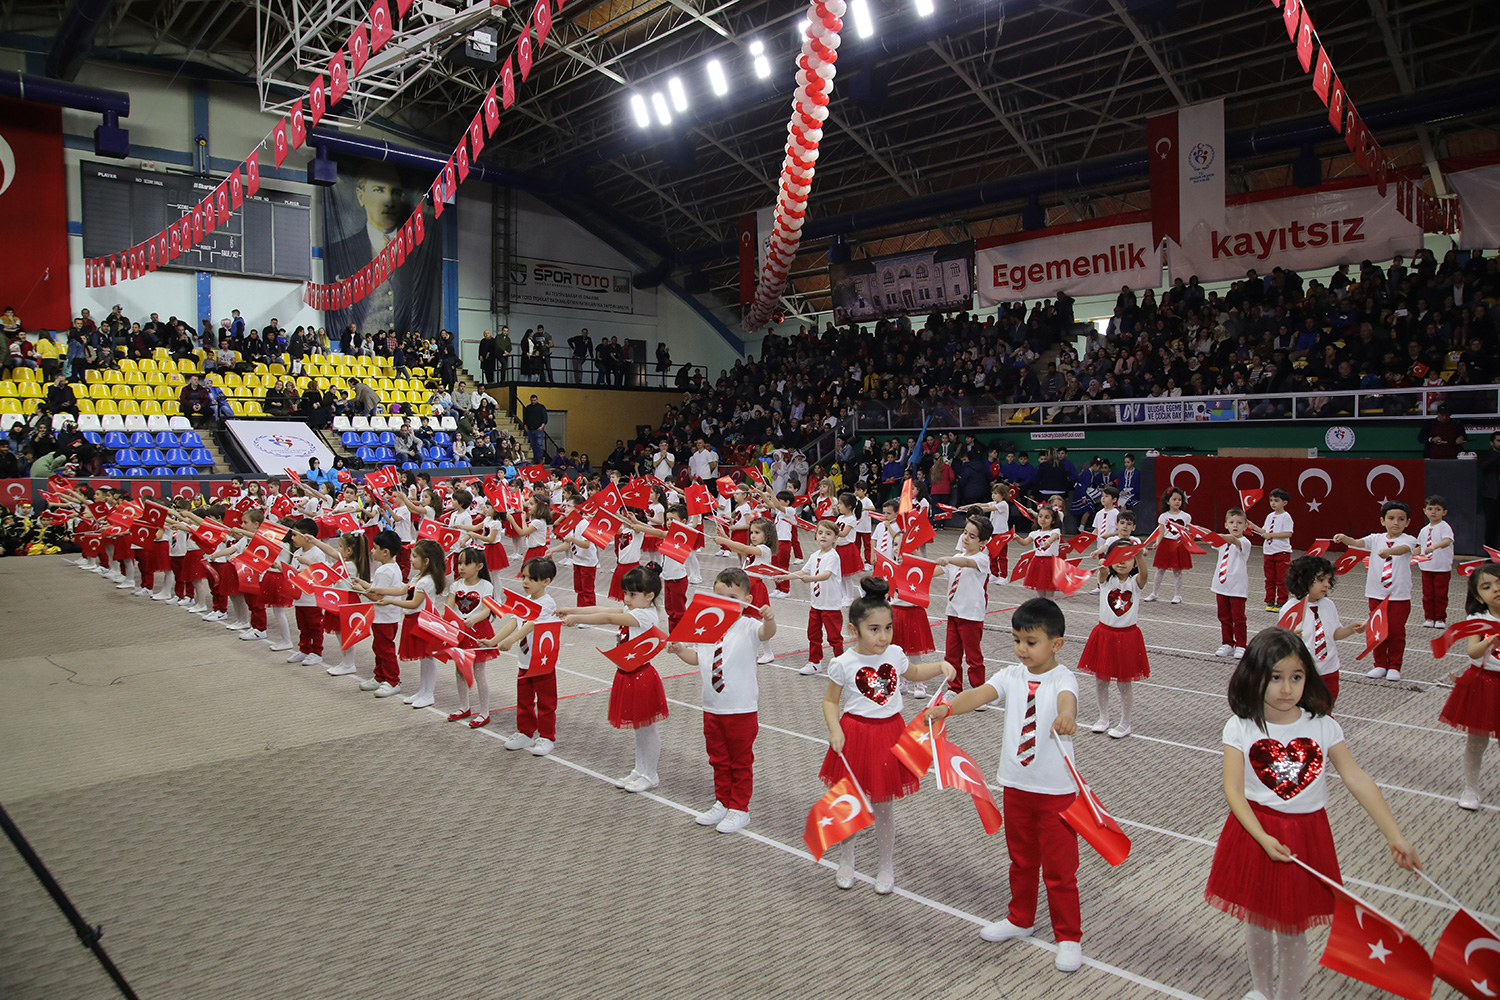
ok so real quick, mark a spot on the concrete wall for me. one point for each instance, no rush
(597, 418)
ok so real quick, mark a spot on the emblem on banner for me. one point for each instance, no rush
(1339, 438)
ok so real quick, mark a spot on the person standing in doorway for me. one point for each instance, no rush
(1489, 491)
(534, 418)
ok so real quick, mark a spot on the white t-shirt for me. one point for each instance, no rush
(1233, 564)
(762, 557)
(866, 507)
(538, 537)
(698, 464)
(646, 619)
(401, 523)
(581, 551)
(1300, 771)
(628, 545)
(881, 540)
(1104, 526)
(314, 556)
(851, 522)
(1119, 606)
(1490, 662)
(1400, 588)
(741, 687)
(177, 542)
(785, 525)
(1046, 543)
(968, 589)
(1047, 774)
(1442, 559)
(548, 614)
(1172, 524)
(1277, 523)
(871, 684)
(386, 575)
(467, 596)
(424, 585)
(827, 595)
(1328, 615)
(1000, 518)
(460, 519)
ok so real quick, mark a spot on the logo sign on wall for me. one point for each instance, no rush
(276, 445)
(885, 287)
(1174, 411)
(568, 285)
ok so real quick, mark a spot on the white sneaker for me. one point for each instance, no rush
(695, 580)
(1003, 930)
(252, 633)
(519, 741)
(1149, 598)
(1094, 592)
(1239, 651)
(214, 616)
(542, 747)
(1224, 650)
(339, 669)
(312, 661)
(917, 690)
(369, 684)
(1427, 623)
(1069, 956)
(238, 626)
(765, 658)
(422, 701)
(1177, 599)
(184, 602)
(1393, 674)
(280, 647)
(127, 585)
(642, 783)
(1376, 672)
(712, 815)
(1102, 726)
(296, 657)
(194, 609)
(165, 596)
(1120, 732)
(1469, 800)
(809, 670)
(734, 821)
(409, 699)
(386, 690)
(141, 592)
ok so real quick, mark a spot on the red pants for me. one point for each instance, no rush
(257, 611)
(221, 602)
(1231, 620)
(731, 752)
(796, 544)
(403, 559)
(310, 629)
(817, 623)
(963, 638)
(675, 600)
(1435, 596)
(1390, 653)
(536, 705)
(583, 586)
(1332, 680)
(1040, 840)
(862, 539)
(1276, 564)
(180, 587)
(782, 560)
(999, 563)
(387, 667)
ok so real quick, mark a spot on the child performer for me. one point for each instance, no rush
(628, 545)
(584, 555)
(863, 710)
(1389, 577)
(384, 580)
(674, 572)
(637, 699)
(820, 572)
(1171, 548)
(1435, 540)
(533, 534)
(913, 632)
(851, 566)
(466, 596)
(1231, 583)
(1276, 553)
(968, 600)
(1474, 703)
(865, 508)
(1042, 696)
(1106, 518)
(1046, 542)
(353, 553)
(536, 697)
(1312, 577)
(1116, 650)
(304, 533)
(429, 588)
(1277, 696)
(731, 695)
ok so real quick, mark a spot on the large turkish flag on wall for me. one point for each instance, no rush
(34, 214)
(1329, 495)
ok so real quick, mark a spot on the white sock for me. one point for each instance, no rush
(127, 569)
(1156, 583)
(203, 595)
(463, 690)
(1101, 693)
(281, 623)
(846, 853)
(1177, 582)
(1291, 955)
(429, 678)
(647, 750)
(482, 688)
(164, 583)
(885, 838)
(1260, 947)
(347, 659)
(1473, 757)
(239, 611)
(1127, 700)
(765, 648)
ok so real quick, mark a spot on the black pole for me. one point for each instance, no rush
(88, 935)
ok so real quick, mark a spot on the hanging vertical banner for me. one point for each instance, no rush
(940, 278)
(1478, 191)
(748, 242)
(1161, 146)
(34, 216)
(1200, 135)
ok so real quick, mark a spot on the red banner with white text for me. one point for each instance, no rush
(34, 215)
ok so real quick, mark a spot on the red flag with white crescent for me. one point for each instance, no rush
(511, 603)
(1467, 957)
(545, 640)
(706, 619)
(697, 499)
(748, 245)
(1367, 945)
(1469, 628)
(680, 542)
(1018, 571)
(636, 653)
(914, 580)
(1161, 144)
(1291, 616)
(958, 770)
(838, 815)
(1378, 630)
(1093, 822)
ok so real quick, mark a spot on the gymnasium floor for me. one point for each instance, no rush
(245, 828)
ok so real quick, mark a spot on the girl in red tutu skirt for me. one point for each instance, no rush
(863, 710)
(1277, 746)
(851, 563)
(636, 698)
(1474, 704)
(428, 587)
(1116, 650)
(1171, 547)
(466, 596)
(1046, 543)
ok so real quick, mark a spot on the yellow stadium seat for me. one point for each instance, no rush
(98, 391)
(168, 391)
(29, 390)
(106, 407)
(127, 364)
(129, 407)
(189, 366)
(27, 375)
(120, 391)
(154, 378)
(176, 379)
(232, 379)
(151, 408)
(146, 365)
(114, 377)
(86, 405)
(278, 369)
(29, 405)
(162, 354)
(251, 408)
(8, 388)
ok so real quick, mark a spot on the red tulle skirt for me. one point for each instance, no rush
(531, 554)
(741, 535)
(414, 645)
(912, 631)
(637, 699)
(1115, 654)
(1041, 574)
(1474, 703)
(648, 544)
(851, 563)
(485, 630)
(275, 591)
(759, 596)
(1172, 553)
(332, 623)
(867, 748)
(192, 565)
(615, 593)
(1278, 895)
(229, 578)
(495, 557)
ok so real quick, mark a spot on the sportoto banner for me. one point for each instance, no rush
(571, 286)
(1081, 259)
(883, 287)
(1479, 201)
(1319, 508)
(1335, 225)
(277, 445)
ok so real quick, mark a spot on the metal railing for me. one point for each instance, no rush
(957, 413)
(564, 369)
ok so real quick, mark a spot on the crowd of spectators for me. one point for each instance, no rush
(586, 362)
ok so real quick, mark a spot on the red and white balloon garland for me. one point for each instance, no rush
(815, 72)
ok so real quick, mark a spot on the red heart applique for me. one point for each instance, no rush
(876, 684)
(1120, 601)
(1044, 543)
(1287, 769)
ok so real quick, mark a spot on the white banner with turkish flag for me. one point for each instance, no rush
(1479, 204)
(1187, 170)
(1089, 258)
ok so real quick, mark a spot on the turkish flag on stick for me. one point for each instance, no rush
(914, 580)
(1080, 542)
(512, 603)
(1092, 821)
(1018, 571)
(636, 653)
(917, 532)
(1467, 957)
(440, 533)
(997, 543)
(698, 500)
(884, 568)
(382, 479)
(1379, 628)
(355, 621)
(914, 748)
(546, 637)
(957, 769)
(1291, 616)
(838, 815)
(706, 619)
(1068, 577)
(1468, 629)
(602, 528)
(1350, 559)
(1319, 546)
(463, 660)
(637, 494)
(680, 542)
(1123, 553)
(1367, 945)
(1249, 498)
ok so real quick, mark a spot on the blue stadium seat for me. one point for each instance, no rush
(114, 440)
(445, 465)
(166, 439)
(135, 471)
(366, 455)
(408, 465)
(177, 456)
(162, 470)
(113, 470)
(387, 438)
(462, 463)
(152, 456)
(140, 439)
(201, 456)
(369, 438)
(127, 456)
(187, 470)
(94, 438)
(190, 439)
(350, 439)
(384, 454)
(442, 438)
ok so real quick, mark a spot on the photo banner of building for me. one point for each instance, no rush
(939, 279)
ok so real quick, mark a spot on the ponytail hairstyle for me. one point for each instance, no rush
(357, 544)
(873, 591)
(642, 580)
(432, 555)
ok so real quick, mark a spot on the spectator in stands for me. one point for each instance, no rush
(194, 401)
(487, 357)
(78, 352)
(405, 442)
(503, 347)
(9, 467)
(60, 398)
(583, 349)
(544, 345)
(277, 403)
(313, 407)
(604, 362)
(1443, 438)
(316, 474)
(236, 325)
(297, 348)
(339, 404)
(663, 362)
(534, 420)
(47, 355)
(366, 400)
(462, 397)
(483, 453)
(10, 323)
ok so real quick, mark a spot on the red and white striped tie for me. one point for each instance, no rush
(1224, 565)
(717, 677)
(1388, 573)
(1027, 750)
(1320, 638)
(953, 588)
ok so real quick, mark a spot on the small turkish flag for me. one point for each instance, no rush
(89, 545)
(279, 141)
(1123, 553)
(380, 25)
(637, 494)
(1419, 370)
(382, 479)
(141, 535)
(545, 640)
(210, 534)
(916, 531)
(997, 543)
(335, 524)
(602, 528)
(523, 52)
(884, 568)
(1291, 616)
(445, 536)
(152, 514)
(1018, 571)
(511, 603)
(698, 499)
(327, 574)
(359, 49)
(355, 621)
(636, 653)
(1468, 568)
(1322, 75)
(914, 580)
(1249, 498)
(542, 18)
(330, 598)
(338, 79)
(1080, 542)
(1470, 628)
(1378, 629)
(250, 569)
(461, 157)
(293, 475)
(507, 85)
(463, 661)
(1069, 576)
(1305, 36)
(1367, 945)
(1467, 957)
(1093, 822)
(957, 769)
(263, 549)
(838, 815)
(1202, 534)
(252, 172)
(476, 133)
(281, 506)
(680, 542)
(1350, 559)
(726, 485)
(439, 628)
(706, 619)
(1291, 16)
(299, 126)
(317, 100)
(608, 499)
(534, 473)
(491, 111)
(914, 748)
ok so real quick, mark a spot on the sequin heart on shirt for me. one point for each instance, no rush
(1287, 768)
(1120, 601)
(1044, 543)
(876, 684)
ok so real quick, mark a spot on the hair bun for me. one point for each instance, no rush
(874, 588)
